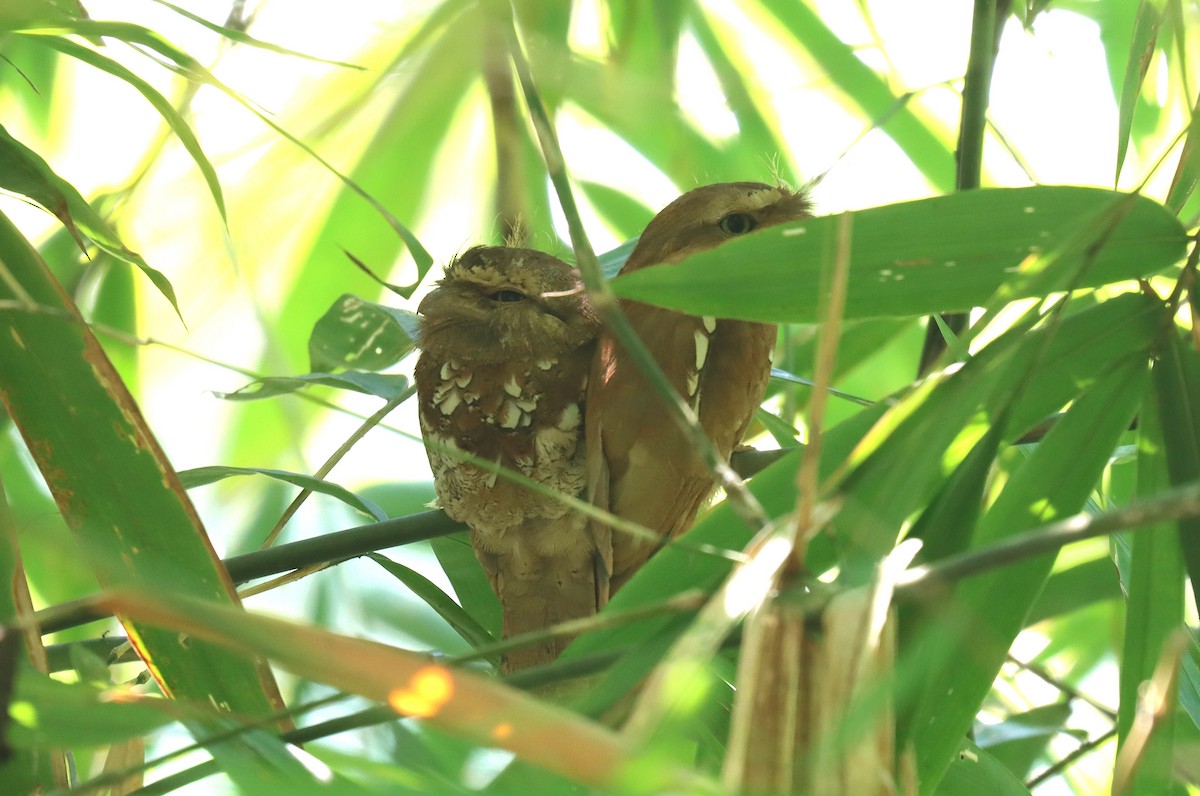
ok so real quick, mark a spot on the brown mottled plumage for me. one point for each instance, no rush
(502, 376)
(640, 466)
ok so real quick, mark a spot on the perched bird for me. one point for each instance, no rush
(640, 466)
(507, 341)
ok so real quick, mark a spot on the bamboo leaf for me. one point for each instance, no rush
(23, 171)
(355, 333)
(177, 123)
(1177, 388)
(1054, 482)
(1141, 50)
(241, 37)
(202, 476)
(381, 385)
(463, 623)
(470, 582)
(1187, 173)
(1155, 586)
(1020, 377)
(48, 714)
(457, 701)
(1019, 740)
(112, 482)
(976, 771)
(949, 253)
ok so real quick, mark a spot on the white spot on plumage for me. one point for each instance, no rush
(701, 349)
(512, 388)
(445, 371)
(569, 420)
(512, 415)
(451, 402)
(693, 381)
(545, 364)
(710, 323)
(527, 404)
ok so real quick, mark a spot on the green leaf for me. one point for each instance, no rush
(405, 141)
(361, 334)
(1154, 584)
(612, 261)
(624, 213)
(130, 517)
(1187, 173)
(259, 762)
(755, 132)
(16, 14)
(201, 476)
(1019, 740)
(178, 125)
(471, 631)
(1141, 51)
(1020, 377)
(23, 171)
(382, 385)
(241, 37)
(976, 771)
(470, 582)
(988, 611)
(47, 714)
(949, 253)
(1177, 388)
(1076, 587)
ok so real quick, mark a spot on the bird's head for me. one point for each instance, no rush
(495, 304)
(708, 216)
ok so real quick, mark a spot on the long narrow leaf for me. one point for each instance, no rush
(463, 623)
(1155, 589)
(933, 255)
(178, 124)
(112, 482)
(1054, 482)
(483, 711)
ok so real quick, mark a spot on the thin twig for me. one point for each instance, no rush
(333, 460)
(1085, 748)
(807, 486)
(972, 126)
(928, 579)
(1071, 691)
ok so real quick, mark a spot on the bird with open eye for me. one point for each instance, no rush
(640, 465)
(507, 339)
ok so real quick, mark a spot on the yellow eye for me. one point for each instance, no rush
(736, 224)
(507, 295)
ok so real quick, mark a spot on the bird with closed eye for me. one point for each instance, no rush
(507, 342)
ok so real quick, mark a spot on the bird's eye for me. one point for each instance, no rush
(507, 295)
(736, 224)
